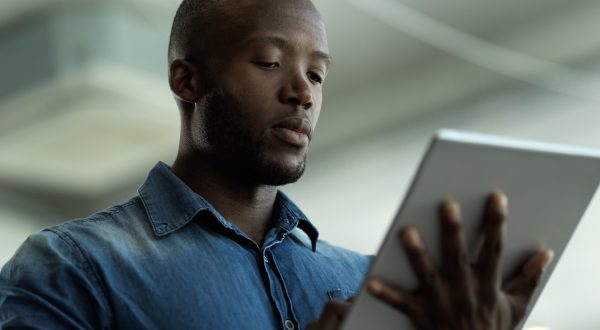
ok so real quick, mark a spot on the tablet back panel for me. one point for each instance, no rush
(548, 186)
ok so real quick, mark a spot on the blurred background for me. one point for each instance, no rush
(85, 111)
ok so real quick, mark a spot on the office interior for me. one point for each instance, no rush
(86, 111)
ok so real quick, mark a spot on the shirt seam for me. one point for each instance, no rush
(88, 267)
(109, 213)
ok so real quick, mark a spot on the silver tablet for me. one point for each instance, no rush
(548, 186)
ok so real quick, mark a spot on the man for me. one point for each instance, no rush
(210, 243)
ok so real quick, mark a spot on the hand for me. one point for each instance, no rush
(332, 316)
(464, 295)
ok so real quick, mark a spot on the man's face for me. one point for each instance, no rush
(265, 93)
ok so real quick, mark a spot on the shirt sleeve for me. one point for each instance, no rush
(50, 284)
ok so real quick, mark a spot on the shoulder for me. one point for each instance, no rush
(52, 277)
(113, 215)
(76, 246)
(78, 242)
(126, 218)
(68, 238)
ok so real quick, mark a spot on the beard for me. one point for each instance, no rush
(236, 151)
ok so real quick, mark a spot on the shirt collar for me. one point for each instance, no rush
(170, 204)
(290, 216)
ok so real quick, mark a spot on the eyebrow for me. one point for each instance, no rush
(281, 42)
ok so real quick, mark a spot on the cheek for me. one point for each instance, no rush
(197, 127)
(255, 100)
(249, 90)
(249, 111)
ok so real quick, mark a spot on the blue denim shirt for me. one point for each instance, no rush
(166, 259)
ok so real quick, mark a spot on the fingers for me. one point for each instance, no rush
(455, 259)
(461, 292)
(401, 300)
(531, 273)
(332, 315)
(312, 326)
(488, 261)
(419, 259)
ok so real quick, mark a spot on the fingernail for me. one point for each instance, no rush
(549, 258)
(539, 263)
(452, 210)
(501, 202)
(374, 286)
(412, 237)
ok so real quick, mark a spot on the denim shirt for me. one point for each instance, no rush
(166, 259)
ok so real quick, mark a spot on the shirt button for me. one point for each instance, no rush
(289, 325)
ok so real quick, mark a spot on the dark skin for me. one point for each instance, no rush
(275, 72)
(270, 71)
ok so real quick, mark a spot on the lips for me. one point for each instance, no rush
(296, 131)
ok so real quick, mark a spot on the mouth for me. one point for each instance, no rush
(295, 131)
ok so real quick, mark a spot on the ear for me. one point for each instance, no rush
(185, 81)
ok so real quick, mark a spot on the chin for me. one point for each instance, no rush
(280, 173)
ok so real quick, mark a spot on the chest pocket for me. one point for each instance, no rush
(340, 294)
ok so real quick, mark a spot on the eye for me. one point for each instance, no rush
(315, 77)
(267, 65)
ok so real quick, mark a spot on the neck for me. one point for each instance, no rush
(248, 206)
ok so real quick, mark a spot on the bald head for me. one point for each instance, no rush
(200, 26)
(189, 19)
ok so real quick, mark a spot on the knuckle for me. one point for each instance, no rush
(518, 308)
(462, 260)
(468, 305)
(404, 308)
(431, 279)
(498, 248)
(489, 297)
(416, 255)
(534, 282)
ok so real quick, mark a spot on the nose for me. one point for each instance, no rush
(297, 92)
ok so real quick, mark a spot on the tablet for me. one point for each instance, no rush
(548, 186)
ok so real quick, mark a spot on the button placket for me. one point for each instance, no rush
(280, 297)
